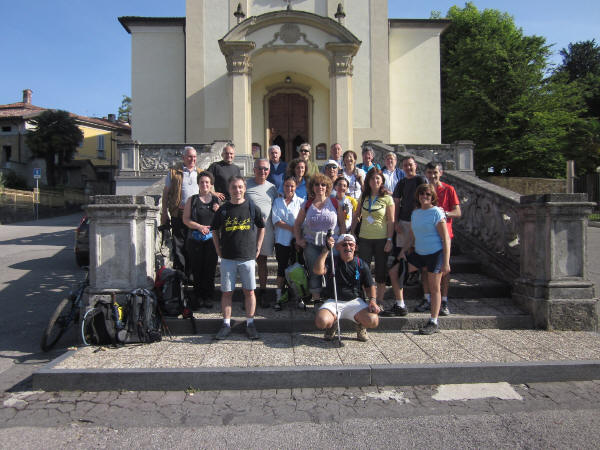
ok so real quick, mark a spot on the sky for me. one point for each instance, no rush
(75, 55)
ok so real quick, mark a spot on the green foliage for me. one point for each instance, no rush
(55, 139)
(580, 70)
(494, 92)
(125, 109)
(11, 180)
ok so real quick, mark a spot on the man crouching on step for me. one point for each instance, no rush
(351, 274)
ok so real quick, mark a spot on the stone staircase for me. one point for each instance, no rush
(476, 301)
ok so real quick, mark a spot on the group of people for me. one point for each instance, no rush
(398, 219)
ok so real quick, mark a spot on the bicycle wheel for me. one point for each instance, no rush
(58, 324)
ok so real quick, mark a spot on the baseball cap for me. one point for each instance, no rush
(345, 238)
(332, 162)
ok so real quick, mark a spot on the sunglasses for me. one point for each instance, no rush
(264, 169)
(321, 184)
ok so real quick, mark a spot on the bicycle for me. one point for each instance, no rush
(67, 312)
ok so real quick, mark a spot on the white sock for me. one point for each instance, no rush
(433, 320)
(400, 303)
(227, 322)
(444, 299)
(428, 298)
(249, 321)
(278, 294)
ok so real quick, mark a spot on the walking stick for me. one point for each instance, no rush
(337, 311)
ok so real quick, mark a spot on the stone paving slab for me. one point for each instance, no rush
(281, 360)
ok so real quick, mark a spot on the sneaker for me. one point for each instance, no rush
(429, 328)
(223, 332)
(395, 311)
(361, 332)
(424, 306)
(301, 305)
(251, 331)
(444, 311)
(330, 333)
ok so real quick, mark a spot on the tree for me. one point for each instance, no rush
(125, 109)
(580, 60)
(55, 138)
(494, 92)
(580, 69)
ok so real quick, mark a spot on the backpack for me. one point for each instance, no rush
(168, 287)
(297, 281)
(143, 323)
(100, 324)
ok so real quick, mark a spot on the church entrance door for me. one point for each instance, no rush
(288, 123)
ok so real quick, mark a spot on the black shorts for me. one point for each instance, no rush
(433, 262)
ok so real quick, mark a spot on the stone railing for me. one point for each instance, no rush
(457, 156)
(140, 165)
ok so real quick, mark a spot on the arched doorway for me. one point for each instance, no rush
(288, 122)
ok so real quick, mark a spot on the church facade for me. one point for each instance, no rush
(259, 72)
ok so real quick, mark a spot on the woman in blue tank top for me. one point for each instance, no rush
(431, 248)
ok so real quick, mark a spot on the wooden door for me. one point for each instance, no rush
(288, 123)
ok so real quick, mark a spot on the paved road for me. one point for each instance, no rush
(544, 415)
(38, 270)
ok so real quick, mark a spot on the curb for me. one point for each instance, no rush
(235, 378)
(593, 224)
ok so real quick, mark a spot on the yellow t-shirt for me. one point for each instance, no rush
(376, 227)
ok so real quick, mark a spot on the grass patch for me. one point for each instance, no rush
(595, 217)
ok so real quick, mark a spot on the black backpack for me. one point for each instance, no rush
(100, 324)
(143, 322)
(168, 287)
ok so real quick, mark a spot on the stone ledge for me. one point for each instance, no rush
(236, 378)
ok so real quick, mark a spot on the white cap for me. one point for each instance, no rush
(345, 237)
(332, 162)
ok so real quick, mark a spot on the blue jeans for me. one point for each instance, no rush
(311, 253)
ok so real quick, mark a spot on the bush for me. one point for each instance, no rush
(11, 180)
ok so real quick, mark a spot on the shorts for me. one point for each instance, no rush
(403, 239)
(433, 262)
(347, 309)
(229, 270)
(268, 241)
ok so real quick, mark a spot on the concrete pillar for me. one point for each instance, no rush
(122, 243)
(553, 283)
(237, 56)
(340, 93)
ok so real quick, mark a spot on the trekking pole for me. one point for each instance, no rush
(337, 311)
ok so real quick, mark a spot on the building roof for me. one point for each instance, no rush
(126, 21)
(420, 23)
(26, 111)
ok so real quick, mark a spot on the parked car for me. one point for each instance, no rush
(82, 242)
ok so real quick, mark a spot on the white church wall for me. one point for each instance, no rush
(158, 83)
(258, 7)
(415, 104)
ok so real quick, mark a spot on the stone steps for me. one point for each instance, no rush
(476, 301)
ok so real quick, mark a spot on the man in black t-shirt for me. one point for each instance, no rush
(351, 277)
(223, 170)
(238, 231)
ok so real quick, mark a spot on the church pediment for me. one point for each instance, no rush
(290, 29)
